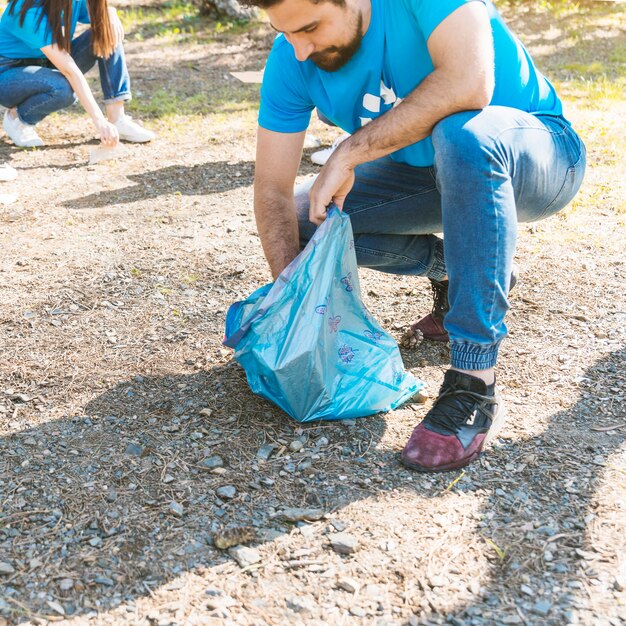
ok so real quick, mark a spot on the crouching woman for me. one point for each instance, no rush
(42, 68)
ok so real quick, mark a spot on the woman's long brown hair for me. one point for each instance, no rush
(59, 14)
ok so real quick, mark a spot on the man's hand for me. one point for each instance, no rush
(116, 26)
(332, 184)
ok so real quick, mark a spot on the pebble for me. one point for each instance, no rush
(206, 412)
(265, 452)
(6, 569)
(344, 543)
(357, 611)
(301, 604)
(296, 446)
(527, 590)
(227, 492)
(322, 442)
(245, 556)
(348, 584)
(619, 584)
(302, 515)
(176, 509)
(56, 607)
(542, 607)
(95, 542)
(65, 584)
(212, 462)
(134, 449)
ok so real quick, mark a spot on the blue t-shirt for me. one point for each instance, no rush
(26, 41)
(391, 62)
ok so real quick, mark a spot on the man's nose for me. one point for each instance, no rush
(302, 48)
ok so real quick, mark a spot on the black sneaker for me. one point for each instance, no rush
(466, 415)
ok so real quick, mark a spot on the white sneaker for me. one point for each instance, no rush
(22, 135)
(131, 131)
(7, 173)
(321, 156)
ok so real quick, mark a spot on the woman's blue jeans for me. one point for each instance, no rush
(38, 90)
(493, 168)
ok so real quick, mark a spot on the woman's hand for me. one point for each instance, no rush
(108, 134)
(116, 26)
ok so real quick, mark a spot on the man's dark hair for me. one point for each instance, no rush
(266, 4)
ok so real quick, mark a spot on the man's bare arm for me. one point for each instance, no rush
(277, 160)
(461, 48)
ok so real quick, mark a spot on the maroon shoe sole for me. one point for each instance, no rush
(441, 468)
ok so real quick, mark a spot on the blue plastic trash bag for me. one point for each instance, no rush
(307, 342)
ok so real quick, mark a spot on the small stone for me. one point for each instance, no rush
(176, 509)
(56, 607)
(103, 580)
(228, 492)
(95, 542)
(65, 584)
(6, 569)
(302, 515)
(344, 543)
(322, 442)
(212, 462)
(548, 556)
(245, 556)
(206, 412)
(348, 584)
(110, 495)
(525, 589)
(196, 436)
(296, 446)
(619, 584)
(357, 611)
(265, 452)
(300, 604)
(168, 478)
(437, 581)
(542, 608)
(134, 449)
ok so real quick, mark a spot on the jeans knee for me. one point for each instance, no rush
(63, 94)
(460, 139)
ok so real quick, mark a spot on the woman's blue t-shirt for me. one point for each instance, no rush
(26, 41)
(391, 62)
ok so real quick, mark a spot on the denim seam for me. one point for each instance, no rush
(389, 200)
(387, 255)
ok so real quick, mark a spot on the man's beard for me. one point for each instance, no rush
(333, 58)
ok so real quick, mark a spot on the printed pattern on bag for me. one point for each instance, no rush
(375, 336)
(333, 323)
(346, 353)
(347, 282)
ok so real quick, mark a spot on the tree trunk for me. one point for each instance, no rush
(227, 8)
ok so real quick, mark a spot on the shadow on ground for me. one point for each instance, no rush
(89, 523)
(195, 180)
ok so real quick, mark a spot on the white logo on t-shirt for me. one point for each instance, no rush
(372, 102)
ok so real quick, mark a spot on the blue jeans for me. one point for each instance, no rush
(39, 89)
(493, 168)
